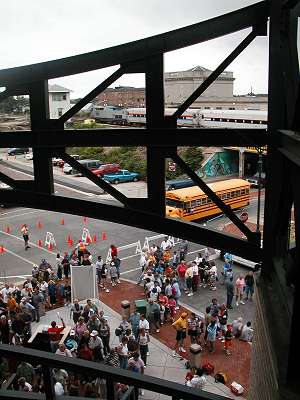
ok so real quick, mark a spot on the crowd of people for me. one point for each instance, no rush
(165, 274)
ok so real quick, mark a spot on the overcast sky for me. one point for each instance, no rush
(35, 30)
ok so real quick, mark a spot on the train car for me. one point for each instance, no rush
(109, 114)
(233, 118)
(137, 116)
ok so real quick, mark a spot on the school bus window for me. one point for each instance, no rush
(209, 201)
(242, 192)
(174, 203)
(223, 196)
(203, 201)
(247, 191)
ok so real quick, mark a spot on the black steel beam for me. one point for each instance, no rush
(252, 236)
(90, 96)
(289, 145)
(135, 137)
(39, 114)
(213, 76)
(289, 4)
(90, 368)
(129, 52)
(137, 218)
(296, 120)
(154, 119)
(94, 178)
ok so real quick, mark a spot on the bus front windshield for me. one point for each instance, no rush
(174, 203)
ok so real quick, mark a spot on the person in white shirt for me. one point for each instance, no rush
(59, 389)
(166, 244)
(144, 324)
(63, 351)
(198, 381)
(247, 333)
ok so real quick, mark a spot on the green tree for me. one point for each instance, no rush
(193, 156)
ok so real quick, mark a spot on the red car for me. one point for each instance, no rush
(106, 169)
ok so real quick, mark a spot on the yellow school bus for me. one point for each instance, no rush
(192, 203)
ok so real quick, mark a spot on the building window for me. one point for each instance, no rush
(207, 108)
(57, 97)
(64, 96)
(60, 112)
(218, 108)
(231, 108)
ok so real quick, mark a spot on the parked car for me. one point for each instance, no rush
(254, 180)
(106, 169)
(90, 164)
(179, 184)
(29, 156)
(121, 176)
(56, 160)
(17, 150)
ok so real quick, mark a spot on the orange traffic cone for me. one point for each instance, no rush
(2, 249)
(50, 246)
(69, 238)
(70, 243)
(62, 221)
(88, 240)
(103, 236)
(85, 220)
(95, 239)
(7, 229)
(39, 225)
(40, 243)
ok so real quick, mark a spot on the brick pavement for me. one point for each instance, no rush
(236, 366)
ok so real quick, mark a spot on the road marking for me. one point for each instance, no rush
(21, 215)
(31, 244)
(17, 255)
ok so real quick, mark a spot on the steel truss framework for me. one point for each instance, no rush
(161, 138)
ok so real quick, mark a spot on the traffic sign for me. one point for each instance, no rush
(244, 217)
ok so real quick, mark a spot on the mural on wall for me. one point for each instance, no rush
(220, 164)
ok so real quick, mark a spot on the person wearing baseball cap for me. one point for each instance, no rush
(96, 345)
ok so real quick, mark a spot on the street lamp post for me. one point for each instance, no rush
(260, 153)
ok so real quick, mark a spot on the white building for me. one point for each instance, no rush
(59, 101)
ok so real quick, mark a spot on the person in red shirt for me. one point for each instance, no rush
(113, 251)
(55, 334)
(181, 268)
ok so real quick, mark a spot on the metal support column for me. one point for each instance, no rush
(39, 111)
(241, 162)
(155, 119)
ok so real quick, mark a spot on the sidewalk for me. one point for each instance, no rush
(160, 364)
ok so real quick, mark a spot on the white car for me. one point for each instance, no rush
(29, 156)
(67, 169)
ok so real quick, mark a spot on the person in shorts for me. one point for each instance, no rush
(181, 325)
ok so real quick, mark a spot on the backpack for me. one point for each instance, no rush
(221, 377)
(208, 368)
(174, 291)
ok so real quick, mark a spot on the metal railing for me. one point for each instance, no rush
(112, 375)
